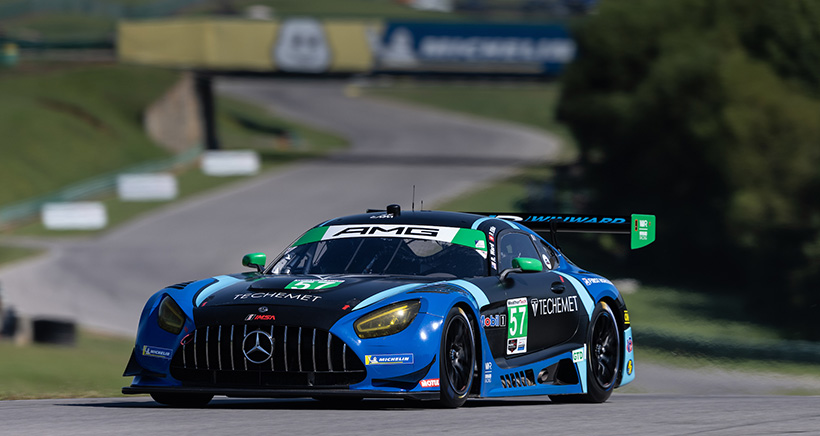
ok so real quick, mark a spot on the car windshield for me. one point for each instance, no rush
(393, 256)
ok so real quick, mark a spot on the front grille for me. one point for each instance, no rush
(301, 357)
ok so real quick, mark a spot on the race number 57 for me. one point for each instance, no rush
(313, 284)
(517, 313)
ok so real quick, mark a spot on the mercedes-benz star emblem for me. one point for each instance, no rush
(257, 346)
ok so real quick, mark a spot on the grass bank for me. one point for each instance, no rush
(92, 368)
(65, 124)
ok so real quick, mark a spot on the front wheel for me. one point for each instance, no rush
(603, 358)
(182, 400)
(457, 359)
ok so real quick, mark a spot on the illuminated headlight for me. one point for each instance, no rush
(170, 316)
(388, 320)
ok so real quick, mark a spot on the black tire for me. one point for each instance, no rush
(457, 359)
(182, 400)
(603, 358)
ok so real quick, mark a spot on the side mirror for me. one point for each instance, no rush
(255, 260)
(522, 265)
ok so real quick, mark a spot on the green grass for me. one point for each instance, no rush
(531, 104)
(505, 195)
(62, 26)
(61, 127)
(10, 254)
(695, 314)
(83, 122)
(92, 368)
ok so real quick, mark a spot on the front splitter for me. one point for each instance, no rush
(278, 393)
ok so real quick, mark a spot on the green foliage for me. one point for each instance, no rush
(706, 113)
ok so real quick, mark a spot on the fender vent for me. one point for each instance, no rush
(518, 379)
(179, 285)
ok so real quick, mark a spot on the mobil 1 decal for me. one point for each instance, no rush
(517, 326)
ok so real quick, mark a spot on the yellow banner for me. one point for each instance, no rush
(298, 45)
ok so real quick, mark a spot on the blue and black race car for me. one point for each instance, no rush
(422, 305)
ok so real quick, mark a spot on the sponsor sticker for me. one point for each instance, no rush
(579, 355)
(493, 320)
(277, 295)
(429, 383)
(595, 280)
(480, 244)
(388, 359)
(313, 284)
(162, 353)
(626, 318)
(488, 372)
(517, 326)
(554, 305)
(629, 345)
(629, 367)
(258, 317)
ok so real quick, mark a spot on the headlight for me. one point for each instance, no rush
(170, 317)
(387, 320)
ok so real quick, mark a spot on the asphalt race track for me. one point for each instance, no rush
(104, 281)
(623, 414)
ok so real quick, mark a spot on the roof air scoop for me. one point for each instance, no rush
(394, 209)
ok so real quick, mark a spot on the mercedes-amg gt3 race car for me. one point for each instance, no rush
(420, 305)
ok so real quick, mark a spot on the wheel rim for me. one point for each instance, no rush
(459, 355)
(604, 350)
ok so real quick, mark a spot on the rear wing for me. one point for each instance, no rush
(640, 227)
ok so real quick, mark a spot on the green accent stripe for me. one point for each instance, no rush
(312, 235)
(469, 238)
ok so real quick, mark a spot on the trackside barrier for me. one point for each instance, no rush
(785, 351)
(90, 188)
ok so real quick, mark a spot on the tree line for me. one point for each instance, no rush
(707, 113)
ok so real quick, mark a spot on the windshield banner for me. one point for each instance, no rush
(468, 237)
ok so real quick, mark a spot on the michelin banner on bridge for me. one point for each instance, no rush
(312, 46)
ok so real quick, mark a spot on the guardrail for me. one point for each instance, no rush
(785, 350)
(91, 187)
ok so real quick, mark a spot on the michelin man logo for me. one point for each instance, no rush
(302, 47)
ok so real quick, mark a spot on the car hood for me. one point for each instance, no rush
(316, 301)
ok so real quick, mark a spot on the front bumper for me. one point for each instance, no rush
(279, 393)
